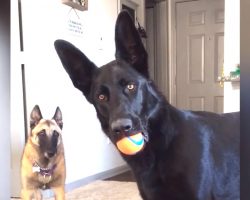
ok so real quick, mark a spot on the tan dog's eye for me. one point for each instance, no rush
(41, 133)
(55, 134)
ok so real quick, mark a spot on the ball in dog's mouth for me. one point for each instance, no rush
(131, 145)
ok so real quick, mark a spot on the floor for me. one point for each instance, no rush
(120, 187)
(124, 177)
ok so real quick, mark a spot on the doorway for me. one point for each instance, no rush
(197, 30)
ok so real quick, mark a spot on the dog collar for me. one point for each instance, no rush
(43, 171)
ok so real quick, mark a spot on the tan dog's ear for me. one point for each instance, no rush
(58, 117)
(35, 116)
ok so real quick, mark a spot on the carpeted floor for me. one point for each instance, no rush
(120, 187)
(105, 190)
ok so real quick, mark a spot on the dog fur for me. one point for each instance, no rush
(43, 162)
(187, 155)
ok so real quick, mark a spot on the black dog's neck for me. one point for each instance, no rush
(162, 118)
(158, 141)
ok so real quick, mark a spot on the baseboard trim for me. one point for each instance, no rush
(89, 179)
(99, 176)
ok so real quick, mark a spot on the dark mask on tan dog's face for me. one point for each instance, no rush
(46, 134)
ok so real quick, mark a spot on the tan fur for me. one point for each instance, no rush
(33, 181)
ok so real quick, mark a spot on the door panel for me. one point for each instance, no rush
(196, 59)
(200, 52)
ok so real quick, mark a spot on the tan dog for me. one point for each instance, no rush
(43, 162)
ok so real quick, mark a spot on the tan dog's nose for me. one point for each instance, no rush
(50, 154)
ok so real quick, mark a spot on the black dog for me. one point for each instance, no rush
(186, 155)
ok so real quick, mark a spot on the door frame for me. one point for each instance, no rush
(138, 5)
(172, 52)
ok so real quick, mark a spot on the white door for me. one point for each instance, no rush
(200, 51)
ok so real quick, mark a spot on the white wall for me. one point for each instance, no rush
(16, 103)
(5, 101)
(231, 53)
(88, 151)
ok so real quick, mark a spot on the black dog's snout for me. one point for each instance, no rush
(121, 125)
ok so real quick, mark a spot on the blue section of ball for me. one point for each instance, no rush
(136, 142)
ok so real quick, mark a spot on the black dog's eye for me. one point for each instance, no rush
(102, 97)
(131, 87)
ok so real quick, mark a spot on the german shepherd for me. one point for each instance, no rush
(43, 162)
(187, 155)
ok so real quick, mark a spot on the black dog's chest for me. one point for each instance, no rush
(169, 173)
(153, 186)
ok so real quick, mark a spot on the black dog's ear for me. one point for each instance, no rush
(58, 117)
(35, 116)
(129, 46)
(79, 68)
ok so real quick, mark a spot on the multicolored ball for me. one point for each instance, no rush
(131, 145)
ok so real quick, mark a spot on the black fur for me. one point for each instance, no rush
(188, 155)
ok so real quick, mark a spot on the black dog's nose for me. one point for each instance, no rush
(121, 125)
